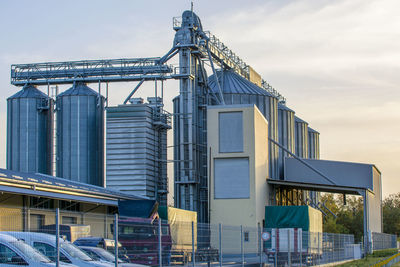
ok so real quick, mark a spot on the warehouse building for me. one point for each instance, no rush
(28, 202)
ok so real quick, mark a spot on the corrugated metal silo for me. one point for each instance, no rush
(301, 137)
(286, 134)
(30, 131)
(80, 135)
(137, 149)
(238, 90)
(313, 144)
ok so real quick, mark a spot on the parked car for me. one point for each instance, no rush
(17, 252)
(102, 254)
(69, 253)
(107, 244)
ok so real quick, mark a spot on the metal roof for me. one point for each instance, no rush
(297, 119)
(49, 186)
(311, 130)
(284, 107)
(29, 91)
(340, 173)
(79, 89)
(233, 83)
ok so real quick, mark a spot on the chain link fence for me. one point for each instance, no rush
(383, 241)
(91, 237)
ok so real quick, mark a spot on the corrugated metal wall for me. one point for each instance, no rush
(313, 144)
(30, 131)
(301, 137)
(136, 152)
(80, 135)
(286, 134)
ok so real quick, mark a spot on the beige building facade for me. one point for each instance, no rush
(238, 165)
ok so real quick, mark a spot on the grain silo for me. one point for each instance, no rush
(286, 134)
(30, 131)
(80, 135)
(313, 144)
(301, 137)
(136, 150)
(238, 90)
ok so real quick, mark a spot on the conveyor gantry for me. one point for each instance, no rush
(90, 71)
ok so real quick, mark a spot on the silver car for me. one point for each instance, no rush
(69, 253)
(17, 252)
(104, 255)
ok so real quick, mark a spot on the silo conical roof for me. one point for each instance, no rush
(29, 91)
(233, 83)
(284, 107)
(79, 89)
(311, 130)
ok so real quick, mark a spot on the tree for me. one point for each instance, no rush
(349, 217)
(391, 214)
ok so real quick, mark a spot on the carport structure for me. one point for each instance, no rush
(337, 177)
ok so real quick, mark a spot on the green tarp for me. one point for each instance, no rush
(304, 217)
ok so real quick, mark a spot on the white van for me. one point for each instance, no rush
(17, 252)
(69, 253)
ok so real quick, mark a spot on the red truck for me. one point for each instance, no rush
(140, 238)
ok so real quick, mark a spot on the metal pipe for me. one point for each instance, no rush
(116, 239)
(57, 237)
(133, 91)
(216, 76)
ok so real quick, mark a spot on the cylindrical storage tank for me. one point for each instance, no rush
(30, 131)
(286, 134)
(313, 144)
(238, 90)
(301, 137)
(80, 135)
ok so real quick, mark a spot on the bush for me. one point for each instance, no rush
(384, 253)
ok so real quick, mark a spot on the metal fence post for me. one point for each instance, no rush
(241, 244)
(288, 238)
(260, 242)
(159, 243)
(319, 252)
(276, 246)
(301, 246)
(193, 251)
(220, 245)
(57, 237)
(116, 239)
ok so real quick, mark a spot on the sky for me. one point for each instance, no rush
(336, 62)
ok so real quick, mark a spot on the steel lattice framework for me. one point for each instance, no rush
(89, 71)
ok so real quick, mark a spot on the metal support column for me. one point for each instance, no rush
(220, 245)
(241, 244)
(159, 243)
(57, 237)
(193, 249)
(116, 239)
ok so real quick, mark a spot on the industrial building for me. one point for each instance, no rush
(236, 142)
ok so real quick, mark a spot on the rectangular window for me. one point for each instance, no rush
(231, 178)
(41, 203)
(69, 205)
(36, 221)
(68, 220)
(230, 132)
